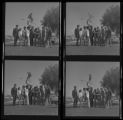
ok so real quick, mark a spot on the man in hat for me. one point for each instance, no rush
(77, 36)
(15, 34)
(75, 97)
(14, 94)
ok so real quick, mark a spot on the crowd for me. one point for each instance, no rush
(93, 97)
(29, 95)
(92, 36)
(32, 36)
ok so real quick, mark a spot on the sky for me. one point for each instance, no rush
(77, 71)
(16, 13)
(77, 13)
(16, 72)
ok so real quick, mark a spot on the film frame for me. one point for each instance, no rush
(91, 58)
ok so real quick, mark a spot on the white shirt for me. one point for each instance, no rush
(80, 94)
(26, 92)
(19, 92)
(87, 94)
(80, 33)
(87, 32)
(27, 32)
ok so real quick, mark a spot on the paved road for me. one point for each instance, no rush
(30, 110)
(31, 51)
(84, 111)
(93, 50)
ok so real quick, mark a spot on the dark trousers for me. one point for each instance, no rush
(31, 41)
(91, 39)
(75, 102)
(14, 100)
(77, 41)
(30, 99)
(15, 41)
(94, 102)
(91, 102)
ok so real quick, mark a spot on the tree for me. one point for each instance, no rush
(111, 80)
(50, 77)
(111, 18)
(51, 19)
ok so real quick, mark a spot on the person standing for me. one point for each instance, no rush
(14, 94)
(15, 34)
(109, 36)
(109, 97)
(91, 96)
(75, 97)
(91, 35)
(41, 95)
(80, 34)
(76, 32)
(88, 97)
(88, 36)
(30, 95)
(84, 36)
(27, 95)
(23, 94)
(94, 98)
(24, 35)
(28, 35)
(102, 36)
(47, 95)
(80, 97)
(19, 95)
(49, 34)
(102, 97)
(31, 35)
(43, 35)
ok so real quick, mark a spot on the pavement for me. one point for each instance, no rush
(31, 110)
(31, 51)
(93, 50)
(98, 111)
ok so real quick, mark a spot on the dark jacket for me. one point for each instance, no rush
(74, 94)
(15, 32)
(76, 32)
(14, 92)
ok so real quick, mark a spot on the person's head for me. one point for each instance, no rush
(80, 90)
(77, 26)
(80, 29)
(18, 88)
(94, 90)
(15, 85)
(23, 86)
(24, 27)
(26, 86)
(28, 28)
(41, 86)
(74, 87)
(16, 26)
(83, 89)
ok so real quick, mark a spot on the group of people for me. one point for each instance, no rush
(29, 95)
(93, 97)
(31, 36)
(92, 36)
